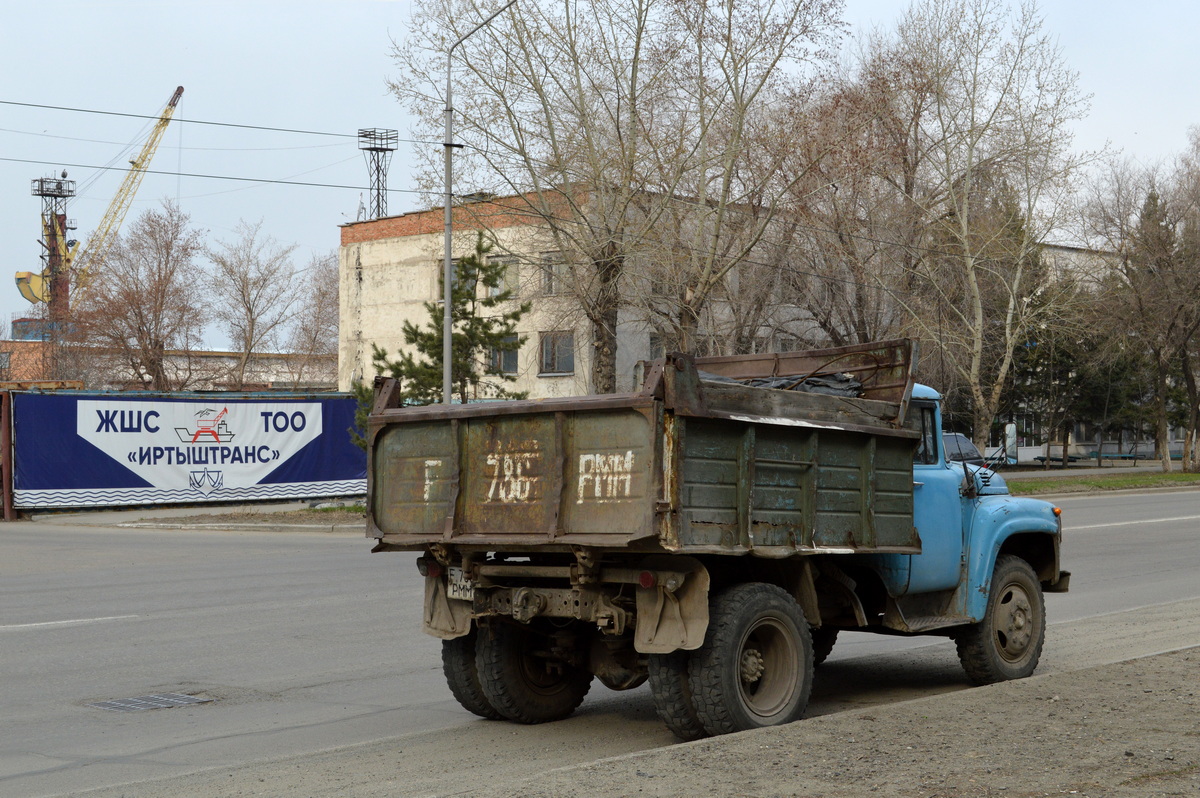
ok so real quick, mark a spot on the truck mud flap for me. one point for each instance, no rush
(444, 617)
(669, 619)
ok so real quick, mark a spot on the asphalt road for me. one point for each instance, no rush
(306, 644)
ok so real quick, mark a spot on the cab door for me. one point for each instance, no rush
(937, 509)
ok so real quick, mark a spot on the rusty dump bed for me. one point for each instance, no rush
(684, 465)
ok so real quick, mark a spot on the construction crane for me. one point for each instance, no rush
(65, 261)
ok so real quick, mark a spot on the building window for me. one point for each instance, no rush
(453, 276)
(555, 273)
(508, 280)
(557, 353)
(787, 343)
(503, 360)
(5, 360)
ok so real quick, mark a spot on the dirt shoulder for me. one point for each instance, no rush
(1125, 730)
(1130, 729)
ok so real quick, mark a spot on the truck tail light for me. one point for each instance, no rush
(647, 579)
(429, 567)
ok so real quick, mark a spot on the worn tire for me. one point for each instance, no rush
(673, 695)
(755, 667)
(823, 640)
(1007, 643)
(458, 664)
(521, 685)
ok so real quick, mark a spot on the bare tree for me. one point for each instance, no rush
(254, 290)
(737, 66)
(851, 240)
(144, 307)
(1153, 291)
(313, 336)
(554, 103)
(984, 101)
(620, 128)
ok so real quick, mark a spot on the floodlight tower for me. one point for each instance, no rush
(57, 251)
(377, 146)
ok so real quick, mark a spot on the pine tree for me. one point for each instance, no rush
(481, 328)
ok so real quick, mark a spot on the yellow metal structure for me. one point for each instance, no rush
(36, 287)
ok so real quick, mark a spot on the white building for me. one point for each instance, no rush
(390, 268)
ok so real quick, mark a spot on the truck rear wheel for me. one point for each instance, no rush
(458, 663)
(520, 677)
(823, 640)
(1007, 643)
(755, 667)
(673, 695)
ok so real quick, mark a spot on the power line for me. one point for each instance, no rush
(178, 120)
(189, 149)
(56, 164)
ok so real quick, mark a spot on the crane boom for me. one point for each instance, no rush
(106, 232)
(37, 287)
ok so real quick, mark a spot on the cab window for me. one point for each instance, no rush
(927, 453)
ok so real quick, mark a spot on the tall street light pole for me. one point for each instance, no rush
(449, 145)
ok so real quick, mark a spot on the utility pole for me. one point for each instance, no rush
(447, 265)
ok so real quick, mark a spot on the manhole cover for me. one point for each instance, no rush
(156, 701)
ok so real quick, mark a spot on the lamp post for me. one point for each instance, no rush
(449, 145)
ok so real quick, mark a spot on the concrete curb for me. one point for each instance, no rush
(249, 527)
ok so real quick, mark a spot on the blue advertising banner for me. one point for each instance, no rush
(81, 450)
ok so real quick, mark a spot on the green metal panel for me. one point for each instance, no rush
(783, 476)
(511, 475)
(751, 486)
(709, 483)
(414, 478)
(610, 487)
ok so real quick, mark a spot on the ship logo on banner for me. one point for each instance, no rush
(200, 448)
(208, 426)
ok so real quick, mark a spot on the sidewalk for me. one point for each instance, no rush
(1056, 471)
(235, 517)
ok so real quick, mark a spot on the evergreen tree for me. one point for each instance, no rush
(482, 330)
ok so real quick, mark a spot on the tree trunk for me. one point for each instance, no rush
(1189, 381)
(609, 268)
(1160, 412)
(604, 354)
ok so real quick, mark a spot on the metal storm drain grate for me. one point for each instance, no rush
(157, 701)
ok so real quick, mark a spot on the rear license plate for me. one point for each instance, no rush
(459, 587)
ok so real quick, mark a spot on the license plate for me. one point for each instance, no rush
(459, 587)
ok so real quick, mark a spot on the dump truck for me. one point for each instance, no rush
(711, 533)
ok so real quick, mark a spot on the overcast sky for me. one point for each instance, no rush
(320, 67)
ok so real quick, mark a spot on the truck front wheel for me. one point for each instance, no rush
(521, 676)
(1007, 643)
(755, 667)
(458, 664)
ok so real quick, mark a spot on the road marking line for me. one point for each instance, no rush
(1142, 521)
(66, 623)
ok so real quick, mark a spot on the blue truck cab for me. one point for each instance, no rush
(986, 558)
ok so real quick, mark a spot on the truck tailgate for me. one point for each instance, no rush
(569, 476)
